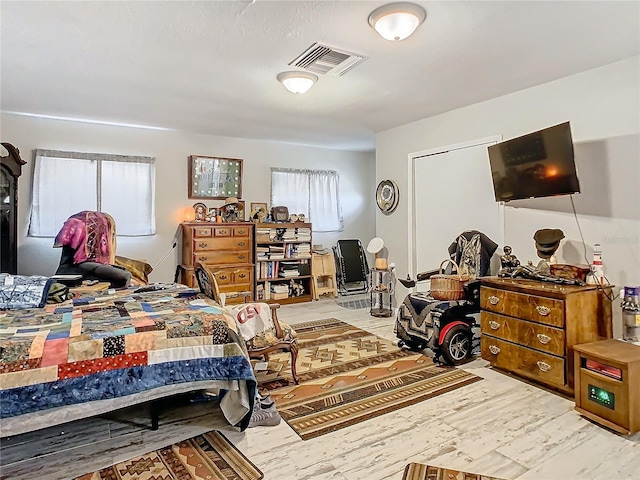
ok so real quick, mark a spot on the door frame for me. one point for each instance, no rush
(411, 208)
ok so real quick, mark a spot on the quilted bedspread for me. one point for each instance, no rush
(103, 347)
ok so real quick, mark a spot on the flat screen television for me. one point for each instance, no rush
(539, 164)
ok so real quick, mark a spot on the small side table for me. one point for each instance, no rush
(607, 384)
(381, 286)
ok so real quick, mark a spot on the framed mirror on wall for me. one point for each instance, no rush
(214, 177)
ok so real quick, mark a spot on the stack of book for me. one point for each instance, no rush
(279, 291)
(303, 234)
(288, 270)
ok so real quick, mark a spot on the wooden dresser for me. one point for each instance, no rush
(529, 327)
(227, 249)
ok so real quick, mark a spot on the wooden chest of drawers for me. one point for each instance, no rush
(227, 249)
(529, 327)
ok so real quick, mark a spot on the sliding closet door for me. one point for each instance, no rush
(453, 192)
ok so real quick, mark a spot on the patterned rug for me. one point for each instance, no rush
(209, 456)
(348, 375)
(418, 471)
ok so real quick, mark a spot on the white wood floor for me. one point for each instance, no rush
(500, 426)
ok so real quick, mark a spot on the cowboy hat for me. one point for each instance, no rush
(319, 248)
(231, 201)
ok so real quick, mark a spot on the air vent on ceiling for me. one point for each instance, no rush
(323, 59)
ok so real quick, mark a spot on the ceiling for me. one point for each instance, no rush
(210, 66)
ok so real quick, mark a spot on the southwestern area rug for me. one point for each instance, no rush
(209, 456)
(419, 471)
(348, 375)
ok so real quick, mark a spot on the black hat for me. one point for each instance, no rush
(547, 237)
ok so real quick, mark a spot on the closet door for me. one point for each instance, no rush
(453, 192)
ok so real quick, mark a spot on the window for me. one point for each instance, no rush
(314, 193)
(65, 183)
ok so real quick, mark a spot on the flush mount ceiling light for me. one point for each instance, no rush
(396, 21)
(297, 82)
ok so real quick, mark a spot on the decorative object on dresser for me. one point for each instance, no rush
(529, 327)
(283, 262)
(226, 248)
(201, 213)
(232, 210)
(259, 212)
(214, 177)
(607, 384)
(10, 170)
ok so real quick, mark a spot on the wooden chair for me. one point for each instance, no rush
(280, 338)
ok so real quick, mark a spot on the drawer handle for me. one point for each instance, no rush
(241, 244)
(202, 259)
(494, 349)
(202, 244)
(241, 231)
(494, 325)
(493, 300)
(243, 275)
(545, 367)
(544, 339)
(544, 311)
(223, 277)
(242, 257)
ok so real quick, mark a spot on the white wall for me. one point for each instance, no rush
(171, 149)
(603, 107)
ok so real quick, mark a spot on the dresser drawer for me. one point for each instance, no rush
(222, 243)
(222, 256)
(549, 311)
(534, 335)
(202, 232)
(241, 231)
(533, 364)
(239, 276)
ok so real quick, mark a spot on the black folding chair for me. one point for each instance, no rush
(352, 268)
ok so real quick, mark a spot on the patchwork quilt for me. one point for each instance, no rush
(103, 347)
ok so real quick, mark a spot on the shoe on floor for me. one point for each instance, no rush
(264, 417)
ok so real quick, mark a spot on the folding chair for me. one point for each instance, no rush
(352, 267)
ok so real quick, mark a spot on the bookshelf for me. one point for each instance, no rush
(283, 262)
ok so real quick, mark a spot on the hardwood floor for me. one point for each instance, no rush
(500, 426)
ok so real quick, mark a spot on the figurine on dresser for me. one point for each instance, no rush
(508, 262)
(547, 241)
(232, 210)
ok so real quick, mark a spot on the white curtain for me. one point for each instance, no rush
(290, 188)
(66, 183)
(61, 187)
(314, 193)
(131, 199)
(324, 205)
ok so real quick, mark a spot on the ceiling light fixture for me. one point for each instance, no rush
(396, 21)
(297, 82)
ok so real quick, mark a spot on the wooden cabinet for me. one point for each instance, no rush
(227, 249)
(10, 170)
(283, 262)
(529, 327)
(323, 271)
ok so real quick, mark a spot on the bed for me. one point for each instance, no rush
(101, 352)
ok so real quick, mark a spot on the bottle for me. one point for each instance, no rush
(597, 268)
(631, 314)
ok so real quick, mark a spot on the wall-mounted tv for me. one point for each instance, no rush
(539, 164)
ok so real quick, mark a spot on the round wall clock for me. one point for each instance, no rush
(387, 196)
